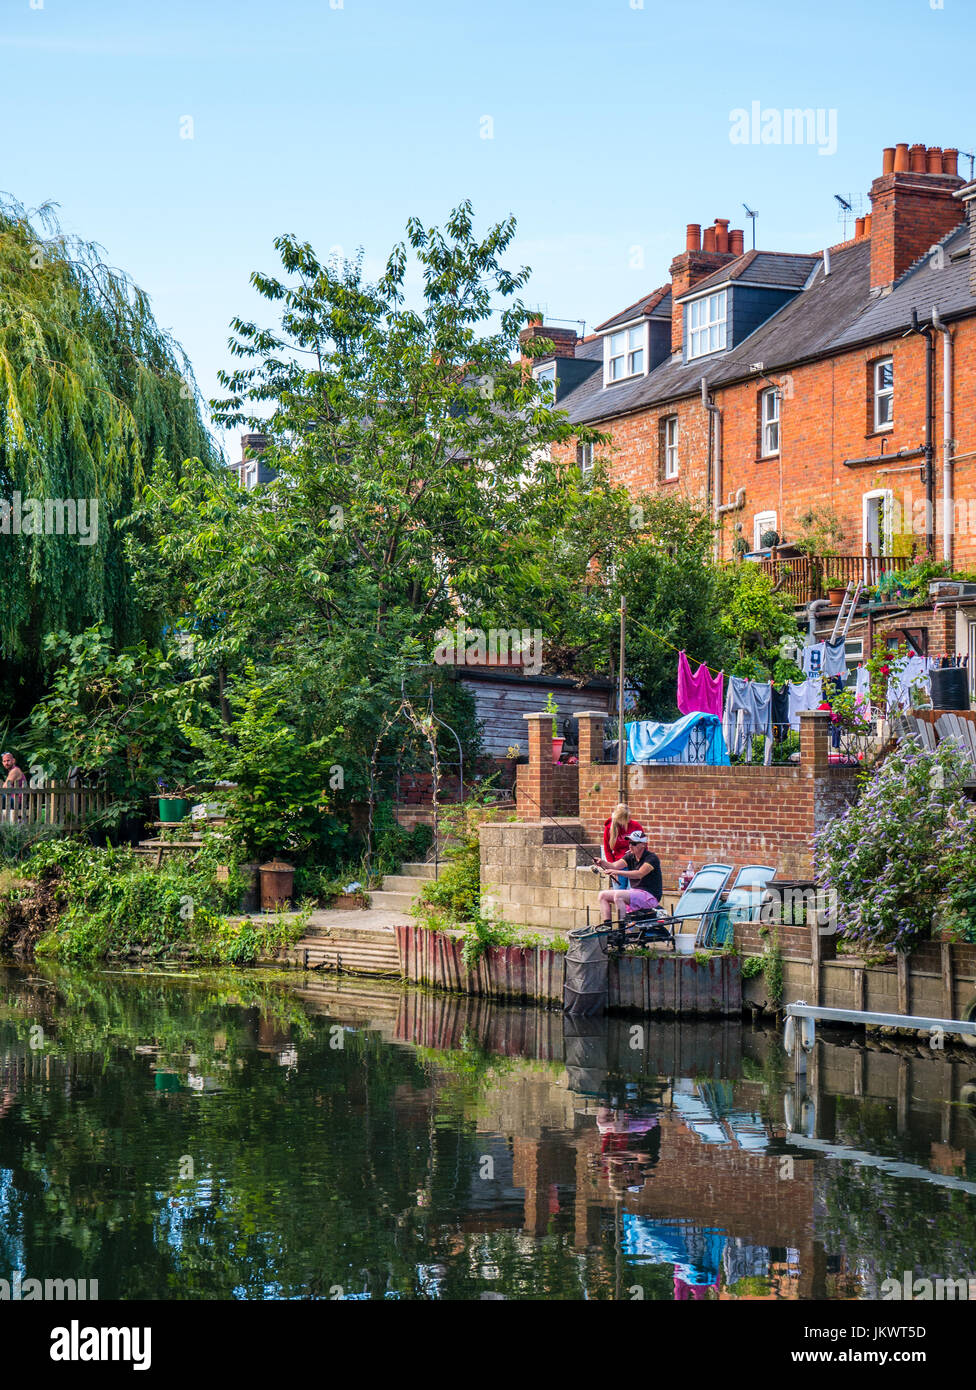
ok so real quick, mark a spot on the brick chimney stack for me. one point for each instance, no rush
(704, 253)
(563, 340)
(912, 207)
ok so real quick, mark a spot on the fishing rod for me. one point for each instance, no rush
(580, 844)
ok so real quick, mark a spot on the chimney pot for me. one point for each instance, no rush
(917, 159)
(722, 235)
(933, 159)
(858, 228)
(708, 240)
(693, 236)
(950, 164)
(867, 224)
(736, 241)
(901, 159)
(888, 159)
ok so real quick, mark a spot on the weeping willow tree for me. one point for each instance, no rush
(92, 394)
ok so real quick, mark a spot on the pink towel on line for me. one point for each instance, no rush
(700, 692)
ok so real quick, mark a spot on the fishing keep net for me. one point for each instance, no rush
(585, 987)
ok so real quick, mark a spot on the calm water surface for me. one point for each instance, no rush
(247, 1136)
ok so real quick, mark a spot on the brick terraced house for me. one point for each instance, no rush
(766, 384)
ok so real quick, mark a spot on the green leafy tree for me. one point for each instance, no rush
(91, 391)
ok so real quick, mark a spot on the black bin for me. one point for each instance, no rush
(950, 687)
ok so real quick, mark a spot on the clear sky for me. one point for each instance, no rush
(602, 125)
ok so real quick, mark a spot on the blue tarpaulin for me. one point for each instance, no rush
(696, 738)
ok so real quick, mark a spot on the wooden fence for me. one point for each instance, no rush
(806, 577)
(64, 806)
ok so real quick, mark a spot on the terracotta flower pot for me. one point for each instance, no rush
(836, 596)
(557, 749)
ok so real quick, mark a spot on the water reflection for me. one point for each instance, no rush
(251, 1137)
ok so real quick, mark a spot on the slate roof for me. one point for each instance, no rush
(802, 328)
(923, 286)
(658, 303)
(760, 268)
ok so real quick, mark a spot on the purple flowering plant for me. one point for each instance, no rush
(904, 850)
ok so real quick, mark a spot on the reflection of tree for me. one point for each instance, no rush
(304, 1178)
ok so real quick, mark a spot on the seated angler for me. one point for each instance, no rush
(641, 868)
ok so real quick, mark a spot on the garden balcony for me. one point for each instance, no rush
(808, 577)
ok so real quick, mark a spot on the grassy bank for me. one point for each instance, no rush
(72, 902)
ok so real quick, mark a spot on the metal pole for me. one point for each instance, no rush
(621, 746)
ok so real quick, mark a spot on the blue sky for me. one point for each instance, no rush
(610, 130)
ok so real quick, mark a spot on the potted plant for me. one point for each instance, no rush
(557, 743)
(769, 540)
(174, 804)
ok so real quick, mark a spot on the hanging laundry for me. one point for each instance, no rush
(812, 659)
(803, 695)
(835, 658)
(699, 692)
(862, 686)
(781, 712)
(906, 675)
(748, 712)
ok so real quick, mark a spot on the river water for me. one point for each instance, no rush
(252, 1136)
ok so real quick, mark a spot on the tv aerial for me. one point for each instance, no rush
(752, 214)
(852, 206)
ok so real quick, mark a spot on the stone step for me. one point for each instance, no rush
(392, 901)
(403, 883)
(380, 936)
(418, 870)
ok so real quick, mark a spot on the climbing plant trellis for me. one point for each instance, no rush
(425, 723)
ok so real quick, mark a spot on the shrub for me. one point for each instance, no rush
(902, 850)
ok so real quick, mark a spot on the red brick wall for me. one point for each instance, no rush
(824, 419)
(738, 815)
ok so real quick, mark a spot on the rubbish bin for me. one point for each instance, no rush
(277, 883)
(950, 687)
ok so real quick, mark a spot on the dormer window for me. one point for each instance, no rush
(624, 353)
(547, 374)
(706, 321)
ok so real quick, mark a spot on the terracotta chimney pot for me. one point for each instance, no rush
(917, 159)
(950, 162)
(858, 228)
(708, 240)
(888, 159)
(901, 159)
(933, 159)
(737, 241)
(693, 236)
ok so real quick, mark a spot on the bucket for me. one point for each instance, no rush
(277, 882)
(684, 943)
(950, 687)
(173, 809)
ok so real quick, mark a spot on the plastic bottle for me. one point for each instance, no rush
(686, 877)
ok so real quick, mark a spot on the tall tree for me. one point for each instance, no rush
(91, 392)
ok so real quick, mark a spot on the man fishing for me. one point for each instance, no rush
(641, 867)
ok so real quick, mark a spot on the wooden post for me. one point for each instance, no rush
(948, 983)
(904, 986)
(621, 737)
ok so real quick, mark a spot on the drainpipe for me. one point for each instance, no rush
(714, 464)
(928, 449)
(948, 443)
(812, 611)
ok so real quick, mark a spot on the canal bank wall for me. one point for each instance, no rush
(651, 984)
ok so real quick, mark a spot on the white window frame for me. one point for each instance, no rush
(710, 333)
(762, 521)
(622, 344)
(885, 496)
(584, 459)
(672, 435)
(547, 373)
(885, 394)
(769, 422)
(251, 474)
